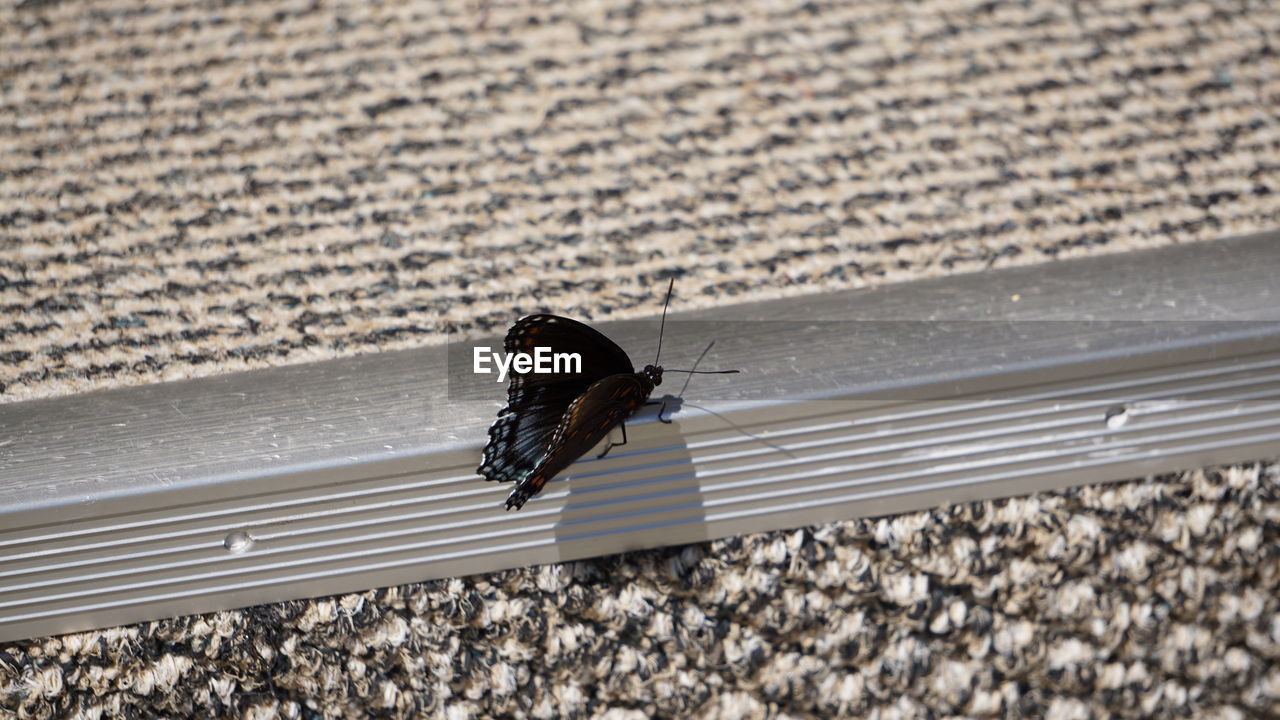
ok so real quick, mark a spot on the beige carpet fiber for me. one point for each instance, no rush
(198, 188)
(1135, 600)
(194, 189)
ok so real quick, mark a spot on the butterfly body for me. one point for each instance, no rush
(552, 419)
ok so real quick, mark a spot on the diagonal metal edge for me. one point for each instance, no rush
(37, 542)
(360, 453)
(985, 437)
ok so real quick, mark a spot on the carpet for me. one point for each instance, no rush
(190, 189)
(1132, 600)
(198, 188)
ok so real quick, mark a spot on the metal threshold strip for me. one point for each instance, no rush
(308, 480)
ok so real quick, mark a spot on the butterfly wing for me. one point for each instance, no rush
(587, 421)
(536, 402)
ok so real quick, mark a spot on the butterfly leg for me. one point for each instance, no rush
(612, 444)
(662, 409)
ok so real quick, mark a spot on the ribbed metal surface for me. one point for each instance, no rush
(828, 460)
(415, 512)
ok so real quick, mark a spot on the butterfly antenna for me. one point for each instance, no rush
(696, 371)
(695, 367)
(670, 286)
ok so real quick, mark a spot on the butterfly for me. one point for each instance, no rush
(551, 419)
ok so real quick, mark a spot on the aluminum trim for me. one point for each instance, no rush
(195, 496)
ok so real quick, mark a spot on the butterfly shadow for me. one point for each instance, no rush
(646, 491)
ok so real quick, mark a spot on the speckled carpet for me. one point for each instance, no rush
(1135, 600)
(197, 188)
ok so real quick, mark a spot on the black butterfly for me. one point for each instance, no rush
(551, 419)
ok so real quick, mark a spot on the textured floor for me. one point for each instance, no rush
(1135, 600)
(196, 188)
(189, 189)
